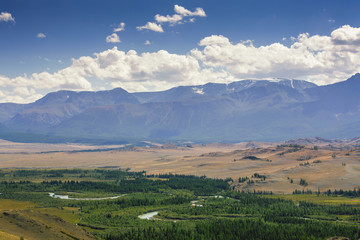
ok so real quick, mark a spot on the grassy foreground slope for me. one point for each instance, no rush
(106, 204)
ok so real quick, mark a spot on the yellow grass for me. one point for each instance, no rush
(155, 179)
(68, 214)
(319, 199)
(7, 204)
(8, 236)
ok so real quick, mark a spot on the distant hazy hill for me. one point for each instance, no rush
(261, 110)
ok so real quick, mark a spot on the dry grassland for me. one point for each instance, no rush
(325, 168)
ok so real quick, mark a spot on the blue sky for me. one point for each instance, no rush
(75, 29)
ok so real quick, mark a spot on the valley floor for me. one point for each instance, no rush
(281, 166)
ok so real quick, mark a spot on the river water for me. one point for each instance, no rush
(148, 216)
(66, 197)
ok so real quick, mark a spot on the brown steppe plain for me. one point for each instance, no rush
(323, 165)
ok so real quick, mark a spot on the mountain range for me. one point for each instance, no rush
(257, 110)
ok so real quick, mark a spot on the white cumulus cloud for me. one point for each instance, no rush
(41, 35)
(170, 19)
(185, 12)
(120, 28)
(175, 19)
(6, 17)
(151, 26)
(346, 35)
(147, 71)
(322, 59)
(219, 40)
(113, 38)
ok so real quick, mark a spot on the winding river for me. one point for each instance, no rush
(149, 215)
(66, 197)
